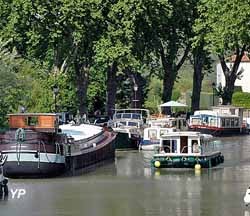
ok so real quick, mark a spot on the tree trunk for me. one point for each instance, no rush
(231, 75)
(81, 87)
(111, 89)
(199, 57)
(168, 85)
(141, 82)
(171, 68)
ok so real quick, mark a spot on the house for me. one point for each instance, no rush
(244, 81)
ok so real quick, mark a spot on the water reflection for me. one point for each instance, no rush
(246, 213)
(129, 186)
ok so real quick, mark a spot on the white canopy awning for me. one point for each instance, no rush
(173, 104)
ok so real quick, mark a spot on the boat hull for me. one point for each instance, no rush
(48, 155)
(125, 142)
(149, 145)
(102, 152)
(219, 131)
(188, 161)
(39, 155)
(29, 169)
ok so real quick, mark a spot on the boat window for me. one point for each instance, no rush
(32, 121)
(184, 144)
(173, 123)
(152, 134)
(232, 122)
(213, 122)
(163, 132)
(223, 122)
(236, 122)
(122, 123)
(132, 124)
(195, 146)
(166, 146)
(136, 116)
(174, 146)
(205, 120)
(126, 115)
(196, 121)
(184, 123)
(118, 115)
(232, 111)
(227, 122)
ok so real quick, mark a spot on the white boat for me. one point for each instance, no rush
(221, 120)
(159, 127)
(129, 124)
(185, 149)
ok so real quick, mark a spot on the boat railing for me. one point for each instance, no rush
(184, 148)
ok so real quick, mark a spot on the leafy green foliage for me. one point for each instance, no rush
(223, 24)
(241, 99)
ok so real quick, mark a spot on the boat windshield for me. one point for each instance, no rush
(136, 116)
(132, 124)
(118, 115)
(126, 115)
(118, 124)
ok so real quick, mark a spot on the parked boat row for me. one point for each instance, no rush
(37, 146)
(165, 138)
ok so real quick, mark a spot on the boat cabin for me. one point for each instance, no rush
(42, 122)
(183, 143)
(155, 133)
(168, 122)
(129, 118)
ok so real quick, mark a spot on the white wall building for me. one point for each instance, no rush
(244, 82)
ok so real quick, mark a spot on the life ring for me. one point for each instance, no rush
(20, 135)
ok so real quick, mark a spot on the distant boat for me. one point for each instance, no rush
(185, 149)
(158, 127)
(37, 147)
(129, 125)
(221, 120)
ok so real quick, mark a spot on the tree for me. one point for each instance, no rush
(168, 35)
(60, 33)
(13, 84)
(225, 26)
(128, 44)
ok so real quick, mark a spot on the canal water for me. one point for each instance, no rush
(129, 187)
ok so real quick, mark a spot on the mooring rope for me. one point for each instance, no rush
(20, 138)
(44, 148)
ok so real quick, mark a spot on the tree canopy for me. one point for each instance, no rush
(96, 51)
